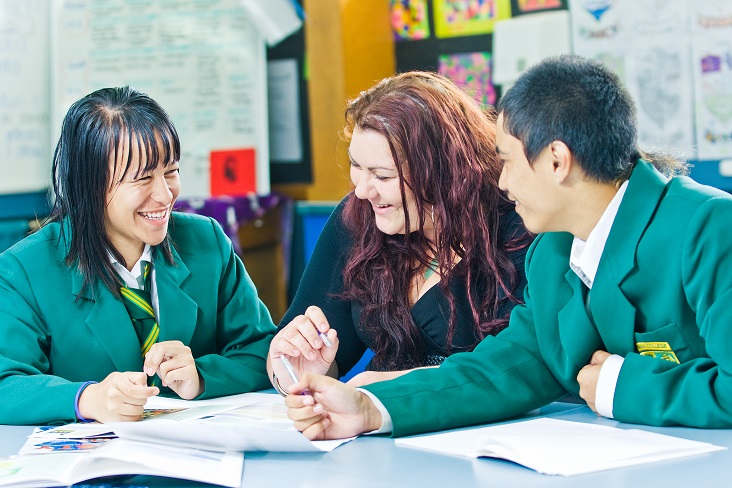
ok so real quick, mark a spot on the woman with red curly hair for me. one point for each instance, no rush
(424, 258)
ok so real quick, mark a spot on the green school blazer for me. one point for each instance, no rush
(51, 342)
(662, 299)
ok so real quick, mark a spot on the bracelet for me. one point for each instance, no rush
(76, 401)
(278, 387)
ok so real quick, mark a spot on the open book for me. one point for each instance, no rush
(560, 447)
(122, 457)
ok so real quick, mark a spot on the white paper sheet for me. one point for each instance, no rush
(560, 447)
(248, 422)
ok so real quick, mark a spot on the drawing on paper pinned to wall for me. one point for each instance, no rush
(410, 19)
(595, 20)
(614, 62)
(712, 30)
(597, 8)
(233, 172)
(716, 73)
(660, 17)
(468, 17)
(538, 5)
(473, 72)
(659, 80)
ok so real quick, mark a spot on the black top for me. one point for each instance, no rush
(322, 282)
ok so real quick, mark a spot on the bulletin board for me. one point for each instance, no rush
(204, 62)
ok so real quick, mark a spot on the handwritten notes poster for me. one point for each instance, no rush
(204, 62)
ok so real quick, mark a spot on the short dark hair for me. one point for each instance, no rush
(583, 104)
(91, 135)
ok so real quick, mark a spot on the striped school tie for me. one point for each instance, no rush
(139, 306)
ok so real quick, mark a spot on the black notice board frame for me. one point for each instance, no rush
(288, 172)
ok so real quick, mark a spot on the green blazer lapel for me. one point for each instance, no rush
(108, 320)
(613, 314)
(178, 312)
(111, 325)
(578, 336)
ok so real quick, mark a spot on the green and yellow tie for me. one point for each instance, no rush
(139, 306)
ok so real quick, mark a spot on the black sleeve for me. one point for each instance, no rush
(322, 282)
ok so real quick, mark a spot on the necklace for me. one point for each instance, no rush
(431, 268)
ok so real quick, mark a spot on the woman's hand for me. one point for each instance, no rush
(121, 397)
(306, 349)
(173, 362)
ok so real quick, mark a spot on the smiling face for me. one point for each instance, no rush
(529, 186)
(138, 207)
(375, 178)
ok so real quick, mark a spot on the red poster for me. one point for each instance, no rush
(233, 172)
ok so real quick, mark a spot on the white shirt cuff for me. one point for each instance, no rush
(606, 384)
(386, 425)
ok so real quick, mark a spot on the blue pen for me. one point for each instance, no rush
(291, 373)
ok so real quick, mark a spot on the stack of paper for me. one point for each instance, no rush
(560, 447)
(199, 441)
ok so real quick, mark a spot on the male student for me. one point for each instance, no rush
(629, 293)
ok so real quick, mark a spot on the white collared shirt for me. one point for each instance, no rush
(134, 278)
(584, 259)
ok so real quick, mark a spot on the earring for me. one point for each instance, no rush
(432, 215)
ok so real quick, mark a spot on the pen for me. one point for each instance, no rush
(325, 339)
(291, 372)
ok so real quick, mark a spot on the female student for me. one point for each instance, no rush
(118, 298)
(425, 257)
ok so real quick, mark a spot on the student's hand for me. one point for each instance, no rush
(120, 397)
(299, 340)
(173, 362)
(588, 376)
(368, 377)
(332, 410)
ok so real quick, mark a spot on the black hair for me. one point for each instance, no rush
(583, 104)
(89, 150)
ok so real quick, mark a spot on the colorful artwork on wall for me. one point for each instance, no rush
(468, 17)
(410, 19)
(473, 72)
(528, 6)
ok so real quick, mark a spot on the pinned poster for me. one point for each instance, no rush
(472, 72)
(468, 17)
(410, 19)
(712, 60)
(528, 6)
(646, 43)
(233, 172)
